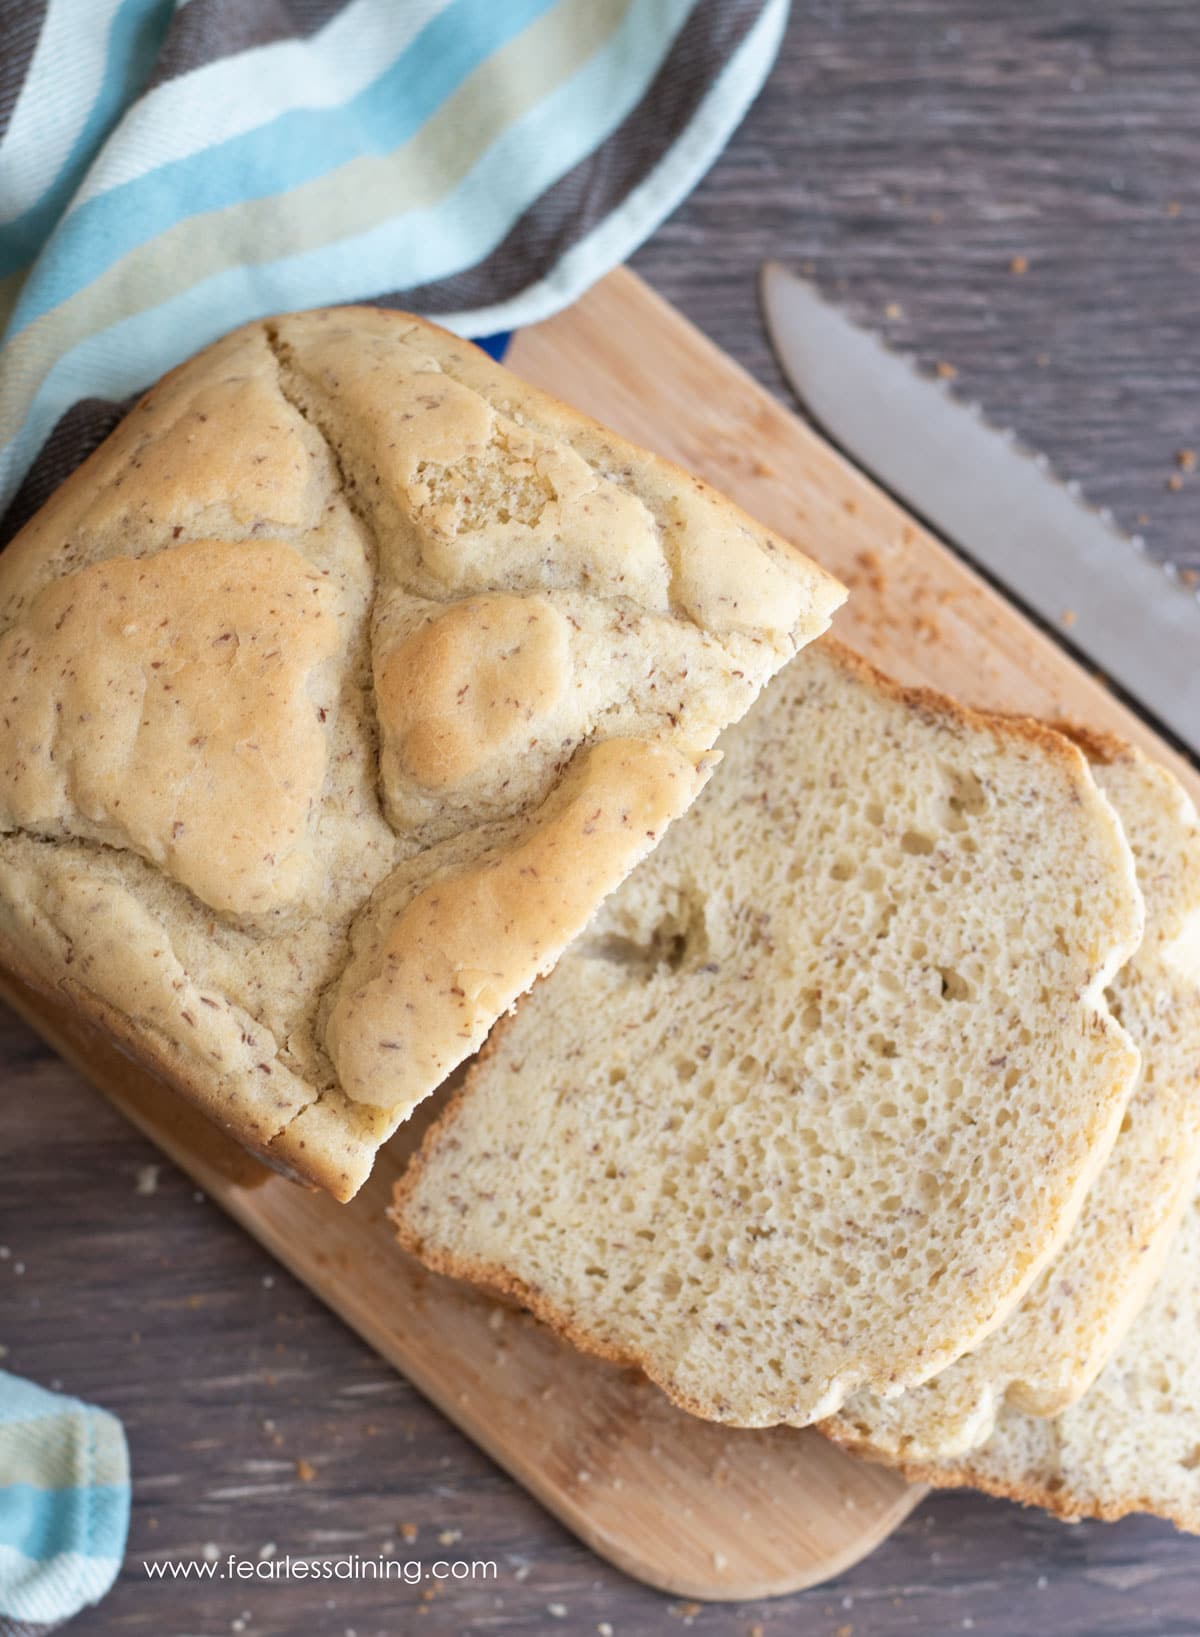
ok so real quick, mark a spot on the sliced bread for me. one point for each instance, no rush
(1046, 1356)
(1133, 1443)
(825, 1085)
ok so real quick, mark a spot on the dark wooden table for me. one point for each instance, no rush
(906, 152)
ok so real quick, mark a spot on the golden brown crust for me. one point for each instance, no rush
(937, 706)
(1048, 1497)
(468, 685)
(440, 970)
(775, 545)
(340, 1165)
(281, 1152)
(1099, 746)
(136, 688)
(241, 451)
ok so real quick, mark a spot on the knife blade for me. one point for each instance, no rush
(994, 502)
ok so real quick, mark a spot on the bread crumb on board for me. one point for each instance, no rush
(868, 571)
(305, 1470)
(1019, 265)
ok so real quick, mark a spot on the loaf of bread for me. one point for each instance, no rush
(823, 1088)
(339, 687)
(1048, 1354)
(1133, 1443)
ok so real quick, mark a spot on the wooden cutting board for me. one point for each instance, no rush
(698, 1510)
(916, 609)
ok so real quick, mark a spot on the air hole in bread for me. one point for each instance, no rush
(913, 841)
(966, 800)
(954, 985)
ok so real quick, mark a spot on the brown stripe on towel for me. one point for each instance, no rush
(208, 30)
(20, 27)
(592, 190)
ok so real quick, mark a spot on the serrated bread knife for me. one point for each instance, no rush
(994, 503)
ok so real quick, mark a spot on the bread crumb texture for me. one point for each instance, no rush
(822, 1088)
(1047, 1355)
(337, 689)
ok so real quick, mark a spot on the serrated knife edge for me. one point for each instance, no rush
(993, 501)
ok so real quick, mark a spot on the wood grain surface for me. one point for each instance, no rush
(908, 151)
(681, 1504)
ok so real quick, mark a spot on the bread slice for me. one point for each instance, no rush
(824, 1087)
(1046, 1356)
(336, 690)
(1133, 1443)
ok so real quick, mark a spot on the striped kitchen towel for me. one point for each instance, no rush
(172, 168)
(64, 1505)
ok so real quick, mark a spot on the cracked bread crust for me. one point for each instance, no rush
(814, 1120)
(337, 689)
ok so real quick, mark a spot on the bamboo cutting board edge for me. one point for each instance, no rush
(785, 1509)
